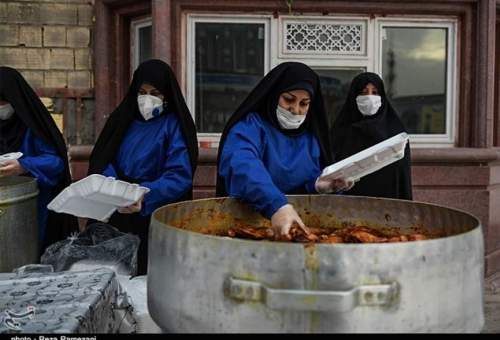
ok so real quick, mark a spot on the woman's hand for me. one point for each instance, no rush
(11, 168)
(327, 186)
(283, 220)
(131, 209)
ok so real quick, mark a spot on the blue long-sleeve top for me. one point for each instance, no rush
(42, 162)
(260, 164)
(154, 153)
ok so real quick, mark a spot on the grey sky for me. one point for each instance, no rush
(420, 60)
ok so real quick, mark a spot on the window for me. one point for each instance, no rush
(337, 49)
(228, 55)
(228, 58)
(416, 62)
(335, 84)
(140, 42)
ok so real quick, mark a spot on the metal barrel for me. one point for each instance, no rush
(19, 243)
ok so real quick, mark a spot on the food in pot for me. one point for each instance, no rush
(350, 234)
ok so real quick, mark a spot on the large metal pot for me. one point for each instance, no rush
(203, 283)
(18, 222)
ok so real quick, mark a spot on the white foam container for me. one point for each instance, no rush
(10, 156)
(96, 197)
(369, 160)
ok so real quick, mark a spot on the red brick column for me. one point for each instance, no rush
(466, 179)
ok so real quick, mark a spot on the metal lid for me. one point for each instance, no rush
(17, 187)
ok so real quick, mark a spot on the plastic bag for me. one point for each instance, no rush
(135, 291)
(34, 268)
(100, 245)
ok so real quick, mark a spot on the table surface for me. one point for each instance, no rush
(63, 302)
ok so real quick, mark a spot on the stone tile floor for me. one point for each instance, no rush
(492, 305)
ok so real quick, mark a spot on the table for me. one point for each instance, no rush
(62, 302)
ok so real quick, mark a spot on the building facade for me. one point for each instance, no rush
(50, 42)
(439, 59)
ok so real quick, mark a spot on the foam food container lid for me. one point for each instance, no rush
(96, 197)
(369, 160)
(10, 156)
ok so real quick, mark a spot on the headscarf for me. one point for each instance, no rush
(11, 134)
(29, 112)
(264, 99)
(160, 75)
(352, 132)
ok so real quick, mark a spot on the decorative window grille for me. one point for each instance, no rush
(324, 38)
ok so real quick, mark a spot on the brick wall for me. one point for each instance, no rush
(49, 42)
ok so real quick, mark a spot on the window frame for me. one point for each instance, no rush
(135, 25)
(334, 68)
(192, 19)
(448, 139)
(324, 62)
(371, 60)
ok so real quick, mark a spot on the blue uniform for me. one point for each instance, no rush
(42, 162)
(260, 164)
(154, 153)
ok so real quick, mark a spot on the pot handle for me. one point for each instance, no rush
(313, 300)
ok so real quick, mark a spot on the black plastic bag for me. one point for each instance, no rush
(100, 245)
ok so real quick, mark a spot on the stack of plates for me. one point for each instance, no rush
(96, 197)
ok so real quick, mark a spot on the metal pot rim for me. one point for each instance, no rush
(321, 245)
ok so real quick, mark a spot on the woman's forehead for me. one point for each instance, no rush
(298, 93)
(148, 86)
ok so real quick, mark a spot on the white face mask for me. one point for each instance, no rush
(368, 105)
(149, 106)
(288, 120)
(6, 111)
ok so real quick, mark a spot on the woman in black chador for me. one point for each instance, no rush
(276, 143)
(150, 139)
(366, 119)
(27, 127)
